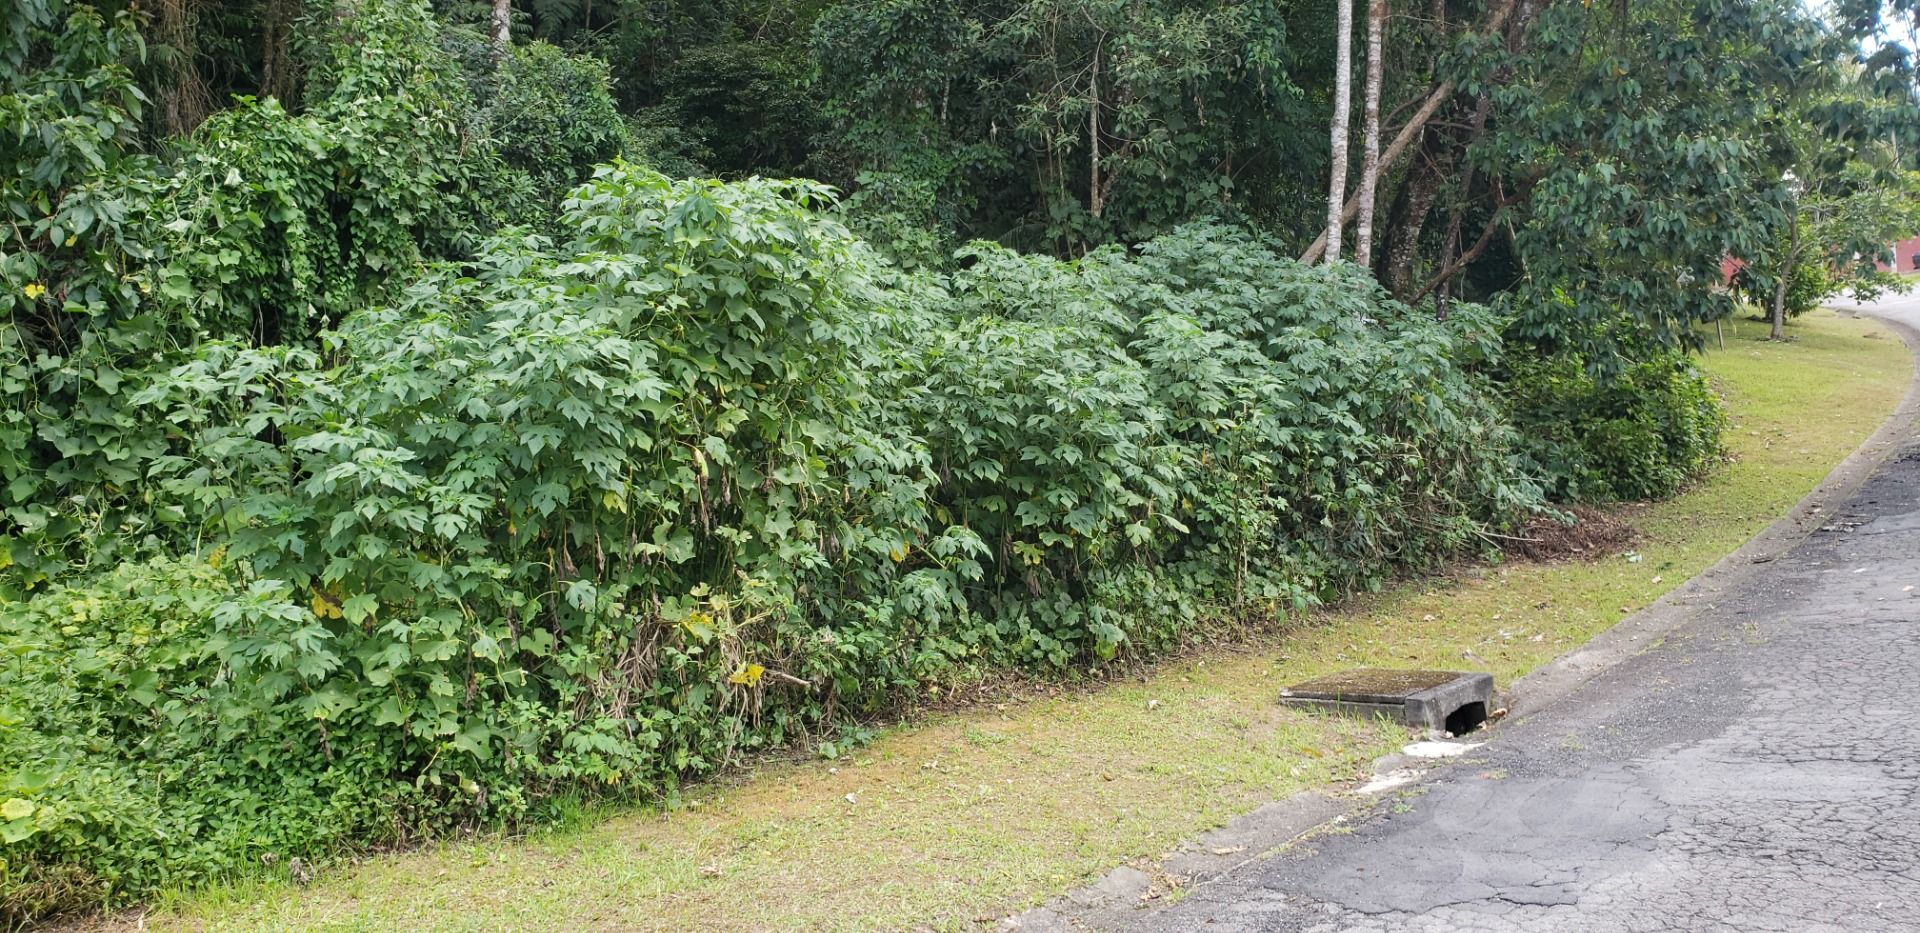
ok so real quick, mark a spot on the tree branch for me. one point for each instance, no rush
(1496, 18)
(1473, 252)
(1387, 159)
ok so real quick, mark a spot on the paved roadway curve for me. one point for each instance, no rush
(1759, 769)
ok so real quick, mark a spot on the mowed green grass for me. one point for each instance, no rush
(965, 816)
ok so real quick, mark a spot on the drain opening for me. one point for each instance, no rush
(1456, 701)
(1467, 718)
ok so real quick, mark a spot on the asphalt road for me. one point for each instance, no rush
(1904, 308)
(1756, 769)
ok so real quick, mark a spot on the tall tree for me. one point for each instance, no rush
(1441, 93)
(1342, 105)
(1887, 37)
(1061, 124)
(1370, 162)
(1629, 156)
(500, 27)
(1848, 195)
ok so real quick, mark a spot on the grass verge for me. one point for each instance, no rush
(968, 815)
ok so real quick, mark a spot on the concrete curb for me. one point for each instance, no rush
(1121, 892)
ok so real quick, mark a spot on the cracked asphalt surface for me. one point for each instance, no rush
(1757, 769)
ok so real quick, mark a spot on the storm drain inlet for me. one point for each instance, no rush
(1453, 701)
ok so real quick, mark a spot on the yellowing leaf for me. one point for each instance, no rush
(698, 622)
(16, 809)
(747, 675)
(325, 608)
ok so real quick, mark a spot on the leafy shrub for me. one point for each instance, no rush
(542, 526)
(596, 515)
(899, 215)
(1371, 439)
(73, 186)
(132, 756)
(552, 118)
(1639, 435)
(1809, 284)
(1378, 436)
(1209, 422)
(265, 227)
(1048, 446)
(281, 223)
(595, 484)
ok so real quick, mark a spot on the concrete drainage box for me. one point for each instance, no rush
(1452, 701)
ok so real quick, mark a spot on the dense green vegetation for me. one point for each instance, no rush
(1151, 774)
(401, 430)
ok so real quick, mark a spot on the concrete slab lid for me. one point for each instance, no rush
(1371, 685)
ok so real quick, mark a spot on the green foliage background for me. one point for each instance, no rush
(399, 433)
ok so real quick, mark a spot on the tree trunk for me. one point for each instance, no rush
(1785, 275)
(500, 30)
(276, 71)
(1370, 161)
(1096, 199)
(1403, 234)
(1392, 155)
(1450, 250)
(182, 92)
(1342, 104)
(1496, 21)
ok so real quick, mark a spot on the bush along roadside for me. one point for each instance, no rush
(1636, 436)
(594, 514)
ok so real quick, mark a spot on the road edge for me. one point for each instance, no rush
(1551, 682)
(1275, 825)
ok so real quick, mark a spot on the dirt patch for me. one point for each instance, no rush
(1594, 533)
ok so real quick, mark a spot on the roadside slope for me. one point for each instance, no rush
(970, 815)
(1750, 769)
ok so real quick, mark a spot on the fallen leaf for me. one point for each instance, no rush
(1230, 850)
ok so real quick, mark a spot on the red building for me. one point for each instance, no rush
(1906, 258)
(1906, 255)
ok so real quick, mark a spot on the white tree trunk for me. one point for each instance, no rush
(1496, 20)
(1342, 106)
(500, 29)
(1370, 162)
(1387, 160)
